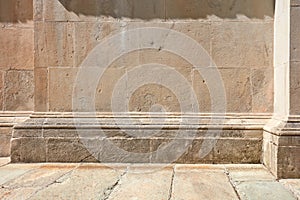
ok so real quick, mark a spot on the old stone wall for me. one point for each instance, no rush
(16, 50)
(238, 35)
(16, 66)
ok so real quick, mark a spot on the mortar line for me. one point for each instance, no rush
(53, 182)
(231, 182)
(172, 183)
(111, 189)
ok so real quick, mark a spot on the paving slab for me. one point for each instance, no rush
(30, 182)
(144, 182)
(293, 185)
(257, 173)
(90, 181)
(202, 184)
(258, 190)
(19, 193)
(4, 161)
(12, 171)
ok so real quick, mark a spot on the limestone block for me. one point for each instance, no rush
(242, 44)
(128, 150)
(16, 11)
(294, 34)
(88, 34)
(54, 44)
(153, 98)
(288, 161)
(41, 89)
(202, 91)
(5, 136)
(295, 2)
(196, 30)
(67, 150)
(17, 133)
(262, 90)
(244, 151)
(224, 9)
(269, 152)
(38, 10)
(12, 56)
(28, 150)
(19, 91)
(1, 89)
(237, 86)
(106, 87)
(61, 83)
(294, 88)
(192, 154)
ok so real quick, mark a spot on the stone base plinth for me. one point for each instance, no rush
(282, 147)
(139, 138)
(7, 121)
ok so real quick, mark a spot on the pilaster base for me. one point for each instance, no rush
(281, 147)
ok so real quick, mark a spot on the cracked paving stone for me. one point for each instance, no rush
(194, 184)
(251, 173)
(89, 181)
(32, 181)
(257, 190)
(142, 182)
(12, 171)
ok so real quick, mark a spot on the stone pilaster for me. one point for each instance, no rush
(282, 133)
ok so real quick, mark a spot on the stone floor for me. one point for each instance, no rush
(120, 181)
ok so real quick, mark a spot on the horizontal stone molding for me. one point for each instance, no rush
(61, 137)
(284, 126)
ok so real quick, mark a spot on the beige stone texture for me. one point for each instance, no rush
(294, 88)
(4, 161)
(83, 183)
(67, 150)
(54, 44)
(237, 83)
(16, 48)
(280, 155)
(201, 184)
(157, 180)
(19, 91)
(28, 150)
(244, 151)
(294, 34)
(236, 88)
(249, 174)
(5, 136)
(262, 90)
(61, 83)
(242, 44)
(1, 89)
(41, 102)
(15, 11)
